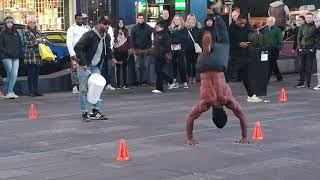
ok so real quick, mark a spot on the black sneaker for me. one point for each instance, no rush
(96, 115)
(308, 86)
(125, 87)
(300, 85)
(85, 117)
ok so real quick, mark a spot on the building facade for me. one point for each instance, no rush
(52, 15)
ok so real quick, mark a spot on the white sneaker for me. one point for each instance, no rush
(75, 90)
(172, 86)
(185, 85)
(11, 96)
(110, 87)
(254, 98)
(317, 87)
(156, 91)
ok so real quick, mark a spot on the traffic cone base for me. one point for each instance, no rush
(283, 96)
(33, 115)
(123, 152)
(257, 132)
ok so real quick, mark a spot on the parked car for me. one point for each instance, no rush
(57, 43)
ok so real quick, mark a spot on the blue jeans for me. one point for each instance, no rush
(11, 66)
(83, 88)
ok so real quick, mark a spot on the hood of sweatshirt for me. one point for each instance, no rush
(276, 4)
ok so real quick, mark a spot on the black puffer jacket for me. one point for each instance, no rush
(195, 32)
(211, 29)
(10, 44)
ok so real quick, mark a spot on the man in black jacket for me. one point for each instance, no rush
(239, 43)
(92, 49)
(141, 40)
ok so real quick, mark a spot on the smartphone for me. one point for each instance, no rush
(248, 42)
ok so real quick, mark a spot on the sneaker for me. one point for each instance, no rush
(308, 86)
(185, 85)
(172, 86)
(157, 91)
(85, 117)
(37, 94)
(176, 85)
(125, 87)
(118, 87)
(254, 98)
(96, 115)
(144, 83)
(317, 87)
(11, 95)
(75, 90)
(110, 87)
(300, 85)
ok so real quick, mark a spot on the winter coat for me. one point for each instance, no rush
(179, 36)
(141, 36)
(161, 44)
(10, 44)
(238, 35)
(32, 54)
(280, 11)
(87, 46)
(272, 37)
(195, 32)
(306, 38)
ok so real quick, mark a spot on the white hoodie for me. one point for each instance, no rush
(74, 33)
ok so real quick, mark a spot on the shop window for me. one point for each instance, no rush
(49, 13)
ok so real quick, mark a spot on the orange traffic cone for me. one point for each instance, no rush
(33, 115)
(123, 152)
(283, 96)
(257, 132)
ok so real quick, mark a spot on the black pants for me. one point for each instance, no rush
(246, 78)
(121, 57)
(161, 75)
(274, 56)
(33, 77)
(306, 57)
(191, 57)
(178, 63)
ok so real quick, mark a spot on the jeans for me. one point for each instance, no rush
(33, 77)
(11, 66)
(83, 88)
(141, 68)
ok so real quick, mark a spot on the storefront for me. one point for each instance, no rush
(49, 13)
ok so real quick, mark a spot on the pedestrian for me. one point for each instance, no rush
(280, 12)
(161, 53)
(141, 41)
(11, 49)
(190, 53)
(239, 55)
(121, 52)
(32, 39)
(92, 49)
(179, 37)
(166, 19)
(74, 33)
(214, 91)
(306, 41)
(273, 40)
(317, 47)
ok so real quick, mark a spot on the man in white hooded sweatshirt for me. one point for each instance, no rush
(74, 33)
(280, 11)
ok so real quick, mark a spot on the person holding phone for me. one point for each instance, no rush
(239, 43)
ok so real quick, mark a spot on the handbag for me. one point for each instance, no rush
(197, 47)
(46, 53)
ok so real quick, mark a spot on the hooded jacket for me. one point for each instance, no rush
(219, 57)
(10, 44)
(87, 46)
(280, 11)
(210, 29)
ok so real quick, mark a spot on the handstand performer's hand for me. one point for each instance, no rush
(193, 141)
(243, 140)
